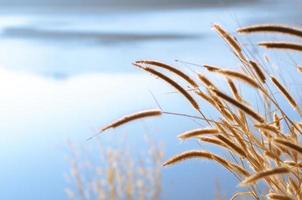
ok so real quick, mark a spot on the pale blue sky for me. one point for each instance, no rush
(109, 2)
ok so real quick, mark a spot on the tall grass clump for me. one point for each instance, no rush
(113, 173)
(263, 138)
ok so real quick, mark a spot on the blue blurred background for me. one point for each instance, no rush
(65, 70)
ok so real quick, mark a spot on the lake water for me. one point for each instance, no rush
(65, 73)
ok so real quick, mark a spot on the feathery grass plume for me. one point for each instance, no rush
(174, 84)
(235, 93)
(281, 45)
(264, 174)
(229, 39)
(205, 155)
(234, 89)
(225, 112)
(231, 145)
(212, 141)
(284, 91)
(240, 105)
(231, 166)
(257, 69)
(288, 145)
(189, 155)
(239, 76)
(197, 132)
(169, 68)
(131, 117)
(239, 169)
(277, 28)
(275, 196)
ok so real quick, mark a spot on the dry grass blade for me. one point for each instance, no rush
(240, 105)
(288, 144)
(281, 45)
(264, 174)
(275, 196)
(271, 28)
(170, 68)
(197, 132)
(258, 71)
(284, 91)
(131, 117)
(174, 84)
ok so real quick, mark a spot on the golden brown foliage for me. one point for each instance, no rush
(261, 137)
